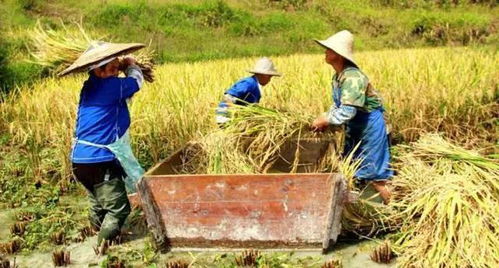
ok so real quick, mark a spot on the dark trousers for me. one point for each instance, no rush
(109, 205)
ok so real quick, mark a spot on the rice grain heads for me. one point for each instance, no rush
(447, 203)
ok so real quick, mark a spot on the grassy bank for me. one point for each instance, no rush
(206, 30)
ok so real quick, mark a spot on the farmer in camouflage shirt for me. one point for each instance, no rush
(357, 106)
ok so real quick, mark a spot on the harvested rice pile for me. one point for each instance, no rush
(447, 203)
(252, 141)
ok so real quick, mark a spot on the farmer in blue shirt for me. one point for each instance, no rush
(247, 90)
(101, 134)
(358, 106)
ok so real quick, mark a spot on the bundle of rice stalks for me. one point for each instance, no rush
(334, 263)
(251, 142)
(56, 50)
(261, 132)
(364, 216)
(177, 264)
(10, 247)
(18, 228)
(383, 253)
(61, 258)
(248, 258)
(85, 232)
(58, 238)
(447, 202)
(223, 155)
(5, 263)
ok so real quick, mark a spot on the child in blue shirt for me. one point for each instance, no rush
(247, 90)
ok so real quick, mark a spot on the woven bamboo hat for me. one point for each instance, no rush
(264, 66)
(99, 52)
(341, 43)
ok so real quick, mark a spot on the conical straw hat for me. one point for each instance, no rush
(264, 66)
(341, 43)
(100, 51)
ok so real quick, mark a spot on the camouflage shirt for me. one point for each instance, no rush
(351, 87)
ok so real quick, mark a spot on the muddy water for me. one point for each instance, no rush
(82, 255)
(352, 254)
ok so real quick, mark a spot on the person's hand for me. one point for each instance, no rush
(127, 61)
(320, 124)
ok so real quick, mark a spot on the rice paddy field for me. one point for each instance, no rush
(448, 90)
(442, 105)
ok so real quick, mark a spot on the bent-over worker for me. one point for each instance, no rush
(247, 90)
(358, 106)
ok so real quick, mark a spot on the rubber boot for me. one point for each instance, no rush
(96, 212)
(111, 195)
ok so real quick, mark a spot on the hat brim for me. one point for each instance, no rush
(81, 65)
(323, 44)
(267, 73)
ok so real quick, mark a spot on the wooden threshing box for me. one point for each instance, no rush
(278, 210)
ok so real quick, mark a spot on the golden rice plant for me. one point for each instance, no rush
(363, 217)
(450, 90)
(446, 202)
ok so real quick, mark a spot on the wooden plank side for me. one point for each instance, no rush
(153, 216)
(336, 204)
(230, 209)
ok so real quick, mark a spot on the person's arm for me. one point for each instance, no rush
(353, 96)
(135, 72)
(134, 78)
(229, 99)
(341, 115)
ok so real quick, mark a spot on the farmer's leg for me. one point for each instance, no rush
(111, 195)
(375, 155)
(383, 190)
(96, 212)
(90, 175)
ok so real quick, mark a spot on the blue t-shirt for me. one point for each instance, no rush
(246, 89)
(102, 117)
